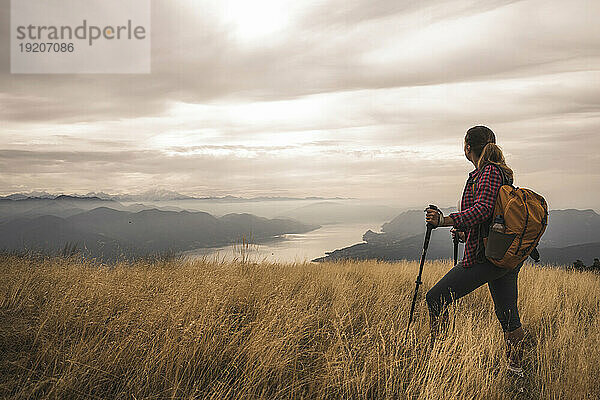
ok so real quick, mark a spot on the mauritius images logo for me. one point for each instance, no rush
(80, 36)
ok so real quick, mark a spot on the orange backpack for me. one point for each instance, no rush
(525, 216)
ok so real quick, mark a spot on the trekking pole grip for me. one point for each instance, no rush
(433, 207)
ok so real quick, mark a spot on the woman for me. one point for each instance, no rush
(472, 223)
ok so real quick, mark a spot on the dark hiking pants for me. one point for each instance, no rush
(460, 281)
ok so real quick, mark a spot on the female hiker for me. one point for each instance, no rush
(474, 269)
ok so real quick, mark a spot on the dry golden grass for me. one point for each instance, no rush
(225, 330)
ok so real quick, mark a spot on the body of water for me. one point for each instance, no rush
(293, 247)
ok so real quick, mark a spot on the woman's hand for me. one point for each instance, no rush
(434, 217)
(461, 235)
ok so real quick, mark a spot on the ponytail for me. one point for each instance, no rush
(492, 154)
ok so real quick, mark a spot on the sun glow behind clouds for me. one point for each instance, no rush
(257, 19)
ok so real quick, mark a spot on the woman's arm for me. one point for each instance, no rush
(485, 200)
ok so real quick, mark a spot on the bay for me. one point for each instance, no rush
(291, 248)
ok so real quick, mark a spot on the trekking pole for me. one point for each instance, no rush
(455, 241)
(418, 282)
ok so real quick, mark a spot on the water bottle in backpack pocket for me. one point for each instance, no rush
(520, 219)
(498, 240)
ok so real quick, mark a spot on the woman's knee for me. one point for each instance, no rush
(432, 297)
(436, 300)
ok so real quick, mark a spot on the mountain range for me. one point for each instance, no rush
(571, 234)
(107, 230)
(159, 195)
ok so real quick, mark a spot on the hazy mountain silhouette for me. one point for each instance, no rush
(61, 206)
(149, 195)
(157, 195)
(21, 196)
(408, 223)
(571, 227)
(567, 255)
(410, 248)
(571, 234)
(108, 233)
(64, 206)
(51, 233)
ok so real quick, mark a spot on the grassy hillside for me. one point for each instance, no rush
(207, 330)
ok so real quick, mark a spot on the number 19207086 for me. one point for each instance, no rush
(46, 47)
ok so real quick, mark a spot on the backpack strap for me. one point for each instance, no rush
(505, 181)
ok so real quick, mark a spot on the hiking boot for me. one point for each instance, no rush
(514, 350)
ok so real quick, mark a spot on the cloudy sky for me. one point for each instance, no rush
(353, 98)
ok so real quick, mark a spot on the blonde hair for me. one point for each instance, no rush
(492, 154)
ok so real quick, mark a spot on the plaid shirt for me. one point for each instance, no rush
(477, 208)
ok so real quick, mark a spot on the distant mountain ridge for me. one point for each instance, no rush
(569, 254)
(571, 227)
(160, 195)
(571, 234)
(107, 234)
(59, 206)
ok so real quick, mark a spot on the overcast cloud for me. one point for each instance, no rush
(367, 99)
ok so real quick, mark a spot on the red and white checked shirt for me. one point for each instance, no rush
(477, 208)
